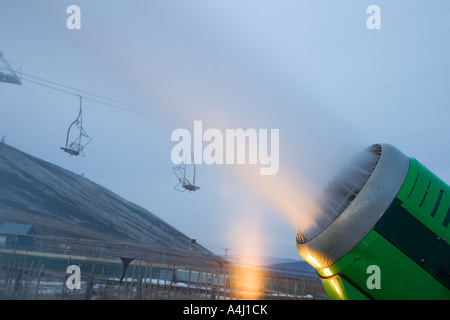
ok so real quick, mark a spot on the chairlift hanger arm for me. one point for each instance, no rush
(76, 147)
(74, 122)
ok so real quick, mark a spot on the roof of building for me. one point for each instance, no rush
(16, 228)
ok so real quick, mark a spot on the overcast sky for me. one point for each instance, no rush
(312, 69)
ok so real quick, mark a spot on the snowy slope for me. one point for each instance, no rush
(60, 203)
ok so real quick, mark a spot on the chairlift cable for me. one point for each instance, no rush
(90, 99)
(112, 103)
(115, 102)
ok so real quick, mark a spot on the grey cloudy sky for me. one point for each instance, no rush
(312, 69)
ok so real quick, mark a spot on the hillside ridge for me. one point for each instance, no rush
(58, 202)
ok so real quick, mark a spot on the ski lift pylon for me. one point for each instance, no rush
(76, 147)
(11, 76)
(184, 183)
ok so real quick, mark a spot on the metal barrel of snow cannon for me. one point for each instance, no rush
(390, 236)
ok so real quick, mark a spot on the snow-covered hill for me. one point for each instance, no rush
(60, 203)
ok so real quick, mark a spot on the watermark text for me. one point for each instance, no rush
(234, 146)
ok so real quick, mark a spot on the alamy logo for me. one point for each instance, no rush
(74, 20)
(374, 20)
(374, 280)
(73, 281)
(235, 146)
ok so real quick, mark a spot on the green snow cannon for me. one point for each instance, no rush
(387, 235)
